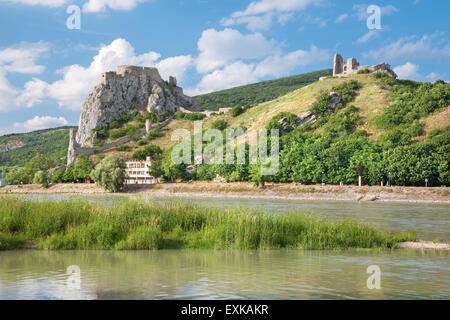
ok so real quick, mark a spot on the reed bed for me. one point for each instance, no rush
(140, 225)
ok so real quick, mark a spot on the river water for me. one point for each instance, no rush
(198, 274)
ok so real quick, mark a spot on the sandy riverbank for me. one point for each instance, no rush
(248, 191)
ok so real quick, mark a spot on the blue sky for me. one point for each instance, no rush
(47, 70)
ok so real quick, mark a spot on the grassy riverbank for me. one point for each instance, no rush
(132, 224)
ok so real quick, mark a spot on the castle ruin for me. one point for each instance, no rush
(342, 69)
(129, 88)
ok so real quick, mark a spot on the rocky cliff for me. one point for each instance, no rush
(140, 88)
(11, 146)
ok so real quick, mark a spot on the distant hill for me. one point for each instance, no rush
(258, 92)
(52, 143)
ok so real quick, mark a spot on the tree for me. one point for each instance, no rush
(110, 174)
(68, 175)
(83, 167)
(58, 176)
(41, 177)
(38, 163)
(156, 169)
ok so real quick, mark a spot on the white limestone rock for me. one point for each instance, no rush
(140, 87)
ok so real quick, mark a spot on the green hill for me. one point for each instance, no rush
(398, 130)
(258, 92)
(52, 143)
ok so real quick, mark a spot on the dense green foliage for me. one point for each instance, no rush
(153, 134)
(53, 143)
(219, 124)
(110, 174)
(291, 120)
(238, 110)
(78, 173)
(412, 101)
(194, 116)
(26, 174)
(41, 177)
(148, 151)
(139, 225)
(333, 155)
(258, 92)
(347, 91)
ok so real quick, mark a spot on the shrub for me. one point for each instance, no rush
(236, 111)
(110, 174)
(194, 116)
(41, 177)
(123, 148)
(320, 106)
(118, 133)
(153, 134)
(149, 151)
(290, 118)
(142, 143)
(219, 124)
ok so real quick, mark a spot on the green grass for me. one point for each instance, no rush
(52, 143)
(134, 224)
(258, 92)
(11, 242)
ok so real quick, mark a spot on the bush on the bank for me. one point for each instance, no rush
(41, 177)
(110, 174)
(219, 124)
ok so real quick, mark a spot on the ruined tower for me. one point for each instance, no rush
(73, 149)
(338, 66)
(342, 69)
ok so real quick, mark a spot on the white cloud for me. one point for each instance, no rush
(232, 75)
(316, 20)
(77, 81)
(33, 93)
(7, 93)
(260, 14)
(21, 58)
(47, 3)
(280, 65)
(368, 36)
(407, 47)
(175, 66)
(253, 22)
(18, 59)
(433, 76)
(410, 71)
(361, 11)
(341, 18)
(240, 73)
(101, 5)
(38, 123)
(218, 48)
(89, 6)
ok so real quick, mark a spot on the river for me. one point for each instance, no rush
(199, 274)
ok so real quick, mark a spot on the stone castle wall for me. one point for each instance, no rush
(342, 69)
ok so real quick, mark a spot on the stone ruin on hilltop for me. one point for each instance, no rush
(129, 88)
(341, 69)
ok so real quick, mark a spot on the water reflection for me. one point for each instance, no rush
(223, 275)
